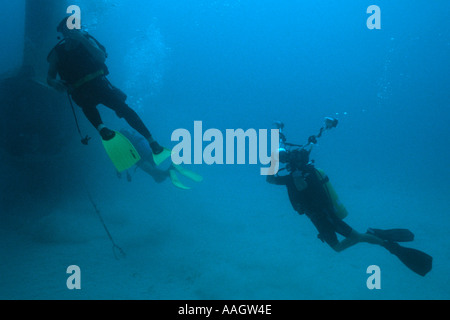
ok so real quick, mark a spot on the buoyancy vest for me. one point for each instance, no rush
(76, 65)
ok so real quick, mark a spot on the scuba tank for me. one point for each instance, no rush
(339, 209)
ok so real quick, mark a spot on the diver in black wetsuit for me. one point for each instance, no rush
(79, 60)
(310, 194)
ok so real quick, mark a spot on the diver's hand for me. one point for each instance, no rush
(58, 85)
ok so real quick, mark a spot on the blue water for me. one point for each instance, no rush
(244, 64)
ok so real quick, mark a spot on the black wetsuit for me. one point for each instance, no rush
(75, 65)
(315, 203)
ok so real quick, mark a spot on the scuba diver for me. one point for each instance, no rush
(146, 162)
(79, 60)
(311, 193)
(148, 165)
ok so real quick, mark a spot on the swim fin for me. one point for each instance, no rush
(417, 261)
(121, 151)
(188, 173)
(395, 235)
(162, 156)
(175, 181)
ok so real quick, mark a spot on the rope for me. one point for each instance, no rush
(115, 246)
(86, 139)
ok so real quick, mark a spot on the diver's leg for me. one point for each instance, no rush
(88, 98)
(93, 115)
(355, 237)
(124, 111)
(369, 238)
(115, 102)
(157, 175)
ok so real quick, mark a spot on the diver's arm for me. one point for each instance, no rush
(52, 72)
(278, 180)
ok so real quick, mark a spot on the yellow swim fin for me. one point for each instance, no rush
(188, 173)
(162, 156)
(175, 181)
(121, 152)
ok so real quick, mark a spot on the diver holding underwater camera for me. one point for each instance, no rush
(311, 193)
